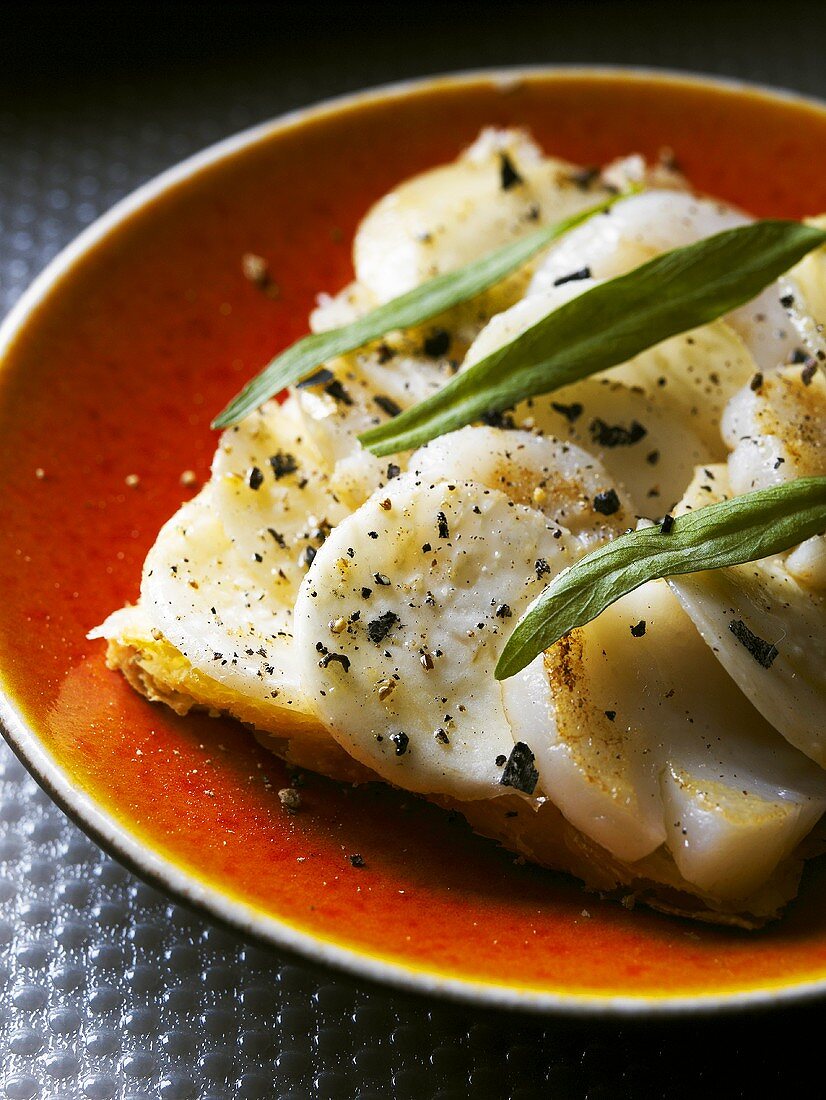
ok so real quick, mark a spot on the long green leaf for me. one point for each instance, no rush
(607, 325)
(416, 306)
(731, 532)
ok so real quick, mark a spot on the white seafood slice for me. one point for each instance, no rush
(335, 310)
(639, 228)
(809, 276)
(651, 420)
(401, 619)
(641, 739)
(776, 428)
(355, 393)
(562, 480)
(647, 444)
(272, 495)
(766, 629)
(204, 600)
(498, 190)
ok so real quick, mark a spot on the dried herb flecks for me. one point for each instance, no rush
(282, 464)
(508, 176)
(607, 502)
(338, 392)
(503, 419)
(763, 652)
(574, 277)
(387, 404)
(615, 435)
(437, 343)
(379, 628)
(519, 771)
(571, 412)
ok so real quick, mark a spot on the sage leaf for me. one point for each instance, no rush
(607, 325)
(730, 532)
(413, 308)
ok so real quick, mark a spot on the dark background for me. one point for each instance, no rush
(95, 98)
(336, 46)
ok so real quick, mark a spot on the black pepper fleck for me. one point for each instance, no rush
(607, 502)
(401, 741)
(340, 658)
(338, 392)
(508, 176)
(437, 343)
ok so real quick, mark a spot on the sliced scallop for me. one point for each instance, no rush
(500, 189)
(642, 740)
(766, 629)
(399, 624)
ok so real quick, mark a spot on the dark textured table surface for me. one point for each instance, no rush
(107, 989)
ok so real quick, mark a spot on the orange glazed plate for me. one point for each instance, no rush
(114, 363)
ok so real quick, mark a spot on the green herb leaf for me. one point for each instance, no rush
(416, 306)
(731, 532)
(607, 325)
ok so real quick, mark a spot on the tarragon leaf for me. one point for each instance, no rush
(607, 325)
(413, 308)
(731, 532)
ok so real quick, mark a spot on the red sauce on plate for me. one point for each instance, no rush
(118, 373)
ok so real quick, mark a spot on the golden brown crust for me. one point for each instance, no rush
(162, 674)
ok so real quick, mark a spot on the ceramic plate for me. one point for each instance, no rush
(114, 363)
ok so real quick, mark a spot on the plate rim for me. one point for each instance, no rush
(184, 884)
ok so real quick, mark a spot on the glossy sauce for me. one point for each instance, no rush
(119, 373)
